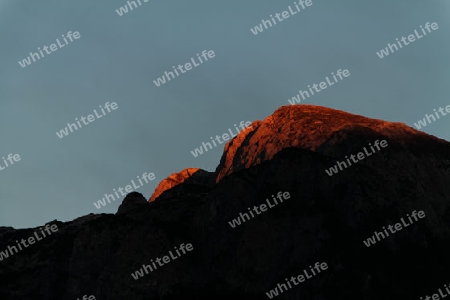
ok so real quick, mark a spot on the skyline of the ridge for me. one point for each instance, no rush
(154, 128)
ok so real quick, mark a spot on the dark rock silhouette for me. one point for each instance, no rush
(132, 201)
(325, 220)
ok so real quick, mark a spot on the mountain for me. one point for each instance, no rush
(326, 219)
(187, 176)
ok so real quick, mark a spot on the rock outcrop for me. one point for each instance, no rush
(132, 201)
(194, 176)
(326, 219)
(307, 127)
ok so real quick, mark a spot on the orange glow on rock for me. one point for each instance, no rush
(171, 181)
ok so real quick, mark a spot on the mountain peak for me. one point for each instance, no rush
(310, 127)
(303, 126)
(172, 180)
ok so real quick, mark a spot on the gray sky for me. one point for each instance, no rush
(155, 128)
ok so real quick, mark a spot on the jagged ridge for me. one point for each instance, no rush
(310, 127)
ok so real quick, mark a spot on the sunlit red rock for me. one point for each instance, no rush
(300, 126)
(171, 181)
(325, 219)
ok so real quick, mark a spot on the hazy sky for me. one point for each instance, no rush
(155, 128)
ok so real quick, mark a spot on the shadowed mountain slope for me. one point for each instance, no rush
(311, 127)
(325, 220)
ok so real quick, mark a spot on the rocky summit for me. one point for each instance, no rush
(326, 220)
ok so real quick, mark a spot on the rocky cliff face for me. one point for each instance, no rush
(325, 220)
(310, 127)
(173, 180)
(194, 176)
(307, 127)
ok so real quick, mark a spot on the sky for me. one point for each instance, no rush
(154, 129)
